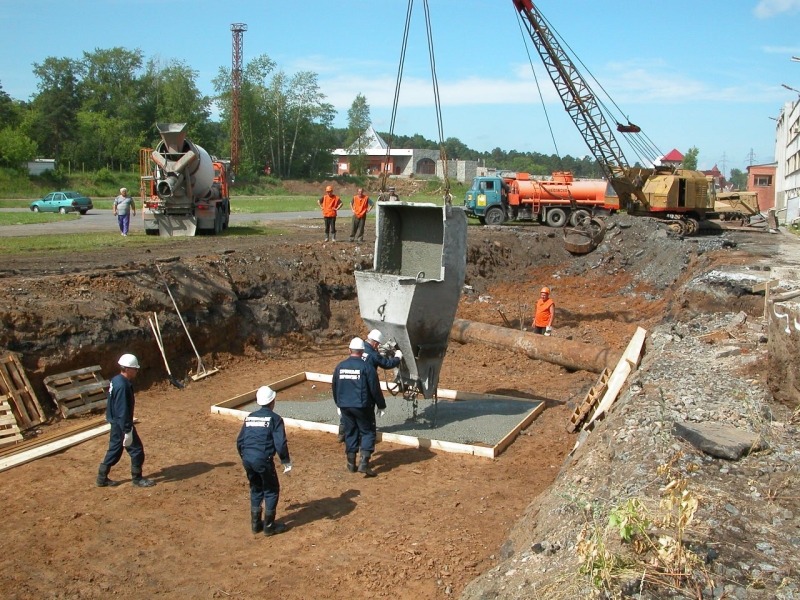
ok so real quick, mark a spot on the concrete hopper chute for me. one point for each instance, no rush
(412, 293)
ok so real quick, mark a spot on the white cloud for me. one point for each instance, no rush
(766, 9)
(781, 49)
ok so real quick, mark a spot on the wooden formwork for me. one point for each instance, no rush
(14, 384)
(232, 408)
(79, 391)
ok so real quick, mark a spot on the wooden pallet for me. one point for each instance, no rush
(77, 392)
(589, 402)
(14, 384)
(9, 430)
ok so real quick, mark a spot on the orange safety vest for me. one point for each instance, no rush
(544, 316)
(360, 205)
(330, 204)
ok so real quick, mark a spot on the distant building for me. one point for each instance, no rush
(717, 177)
(40, 165)
(673, 159)
(761, 179)
(787, 163)
(403, 162)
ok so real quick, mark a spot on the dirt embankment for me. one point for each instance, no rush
(429, 523)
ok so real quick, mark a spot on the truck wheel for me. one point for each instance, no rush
(556, 217)
(495, 216)
(577, 218)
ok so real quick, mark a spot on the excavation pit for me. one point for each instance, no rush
(463, 423)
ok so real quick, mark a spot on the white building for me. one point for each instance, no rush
(787, 156)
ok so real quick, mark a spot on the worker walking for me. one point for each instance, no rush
(330, 203)
(119, 413)
(360, 205)
(261, 437)
(545, 311)
(124, 206)
(373, 357)
(356, 392)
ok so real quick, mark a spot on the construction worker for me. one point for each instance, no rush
(545, 311)
(356, 393)
(119, 413)
(261, 437)
(330, 203)
(391, 195)
(360, 205)
(372, 356)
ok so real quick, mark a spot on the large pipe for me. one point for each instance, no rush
(567, 353)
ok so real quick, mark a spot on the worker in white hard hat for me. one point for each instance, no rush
(356, 393)
(261, 437)
(373, 356)
(123, 435)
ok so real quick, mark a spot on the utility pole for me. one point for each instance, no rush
(751, 157)
(724, 164)
(237, 32)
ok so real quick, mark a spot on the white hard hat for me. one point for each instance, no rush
(265, 395)
(356, 344)
(375, 336)
(128, 360)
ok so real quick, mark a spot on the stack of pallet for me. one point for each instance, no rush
(18, 396)
(79, 391)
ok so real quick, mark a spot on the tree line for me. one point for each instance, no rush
(99, 110)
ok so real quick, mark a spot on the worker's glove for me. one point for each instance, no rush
(287, 466)
(547, 330)
(338, 411)
(381, 413)
(398, 354)
(128, 441)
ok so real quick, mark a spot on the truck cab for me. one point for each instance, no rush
(486, 199)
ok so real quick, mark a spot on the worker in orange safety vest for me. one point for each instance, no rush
(545, 311)
(330, 203)
(360, 205)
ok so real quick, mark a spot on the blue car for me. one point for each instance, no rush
(63, 202)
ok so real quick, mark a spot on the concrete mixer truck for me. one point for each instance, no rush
(516, 196)
(184, 190)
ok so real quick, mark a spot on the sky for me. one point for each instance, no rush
(704, 74)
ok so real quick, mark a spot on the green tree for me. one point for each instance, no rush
(55, 108)
(358, 121)
(738, 179)
(690, 158)
(15, 147)
(8, 112)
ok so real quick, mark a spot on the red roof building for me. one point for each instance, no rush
(673, 158)
(718, 177)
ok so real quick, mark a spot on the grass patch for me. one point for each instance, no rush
(29, 218)
(86, 242)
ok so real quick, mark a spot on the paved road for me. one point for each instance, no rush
(99, 220)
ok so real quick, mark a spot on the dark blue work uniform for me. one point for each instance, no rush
(377, 359)
(119, 412)
(356, 392)
(262, 436)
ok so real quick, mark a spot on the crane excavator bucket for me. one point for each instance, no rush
(585, 237)
(412, 293)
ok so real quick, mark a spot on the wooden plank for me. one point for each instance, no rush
(79, 391)
(764, 285)
(55, 378)
(14, 382)
(53, 436)
(51, 448)
(69, 392)
(785, 296)
(589, 402)
(9, 430)
(630, 358)
(512, 435)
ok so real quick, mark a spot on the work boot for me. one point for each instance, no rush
(351, 239)
(359, 240)
(102, 478)
(327, 237)
(256, 524)
(363, 467)
(333, 238)
(270, 526)
(139, 481)
(351, 462)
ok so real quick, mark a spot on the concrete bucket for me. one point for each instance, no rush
(412, 293)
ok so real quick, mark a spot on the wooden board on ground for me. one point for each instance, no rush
(14, 384)
(27, 455)
(9, 430)
(80, 391)
(592, 397)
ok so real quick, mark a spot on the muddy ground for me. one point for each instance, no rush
(262, 309)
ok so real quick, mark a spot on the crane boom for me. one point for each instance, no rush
(578, 98)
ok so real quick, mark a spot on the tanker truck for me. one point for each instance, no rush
(516, 196)
(184, 190)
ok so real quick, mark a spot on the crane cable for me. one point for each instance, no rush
(443, 154)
